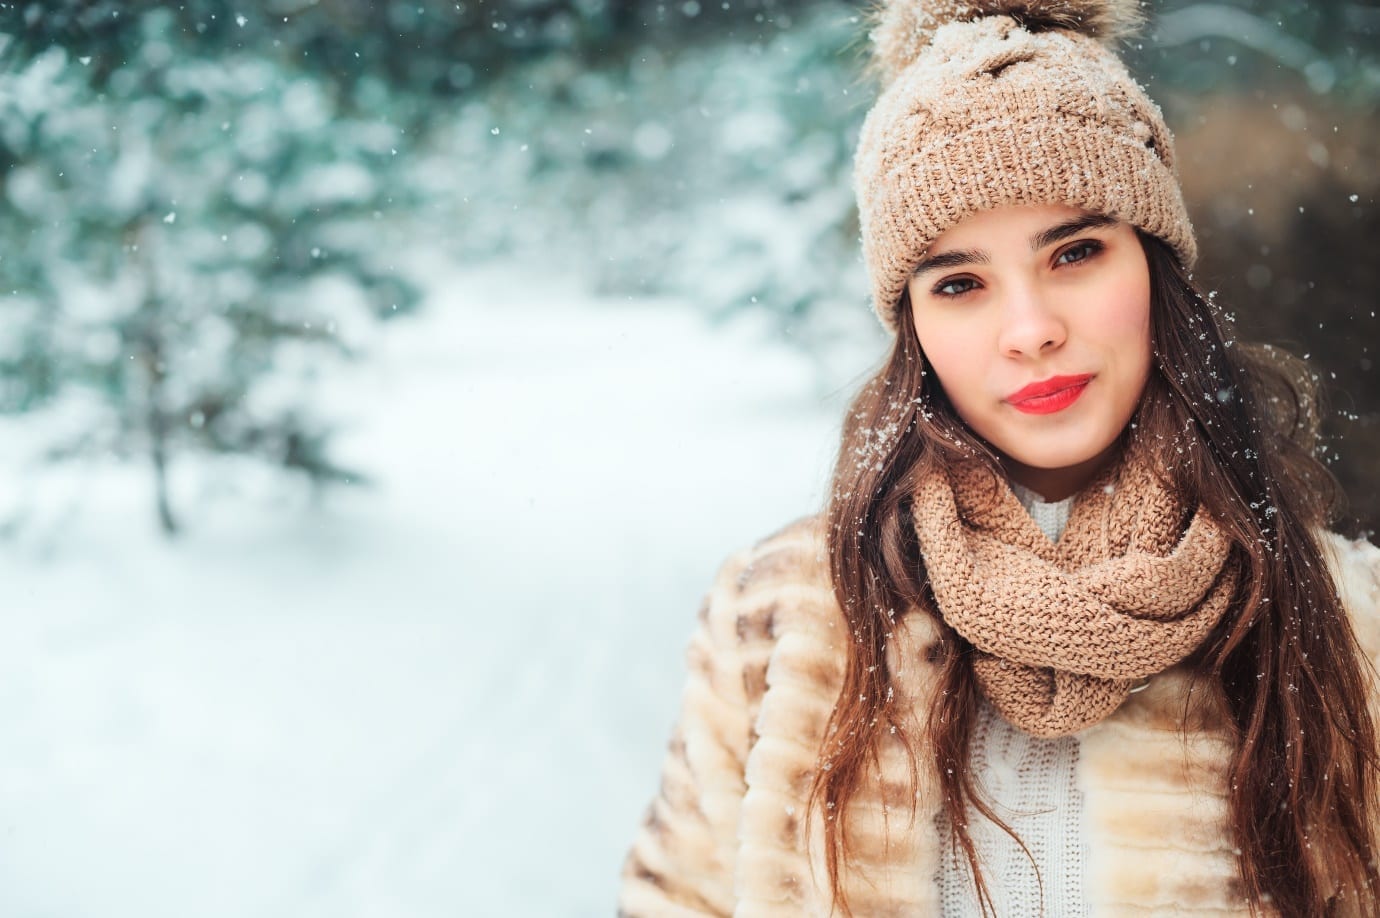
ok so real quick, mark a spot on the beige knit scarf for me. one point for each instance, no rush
(1064, 631)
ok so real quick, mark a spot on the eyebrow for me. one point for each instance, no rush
(1045, 237)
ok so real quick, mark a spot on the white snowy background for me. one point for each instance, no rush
(446, 695)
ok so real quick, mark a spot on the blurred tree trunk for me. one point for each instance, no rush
(151, 352)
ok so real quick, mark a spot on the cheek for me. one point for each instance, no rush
(1124, 320)
(950, 352)
(1125, 331)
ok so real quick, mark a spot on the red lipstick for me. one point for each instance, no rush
(1049, 395)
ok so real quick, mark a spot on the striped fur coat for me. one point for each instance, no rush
(725, 835)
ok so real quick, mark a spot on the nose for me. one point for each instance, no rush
(1031, 326)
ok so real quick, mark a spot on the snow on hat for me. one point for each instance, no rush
(986, 103)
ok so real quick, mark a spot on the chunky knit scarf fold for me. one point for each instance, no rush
(1062, 632)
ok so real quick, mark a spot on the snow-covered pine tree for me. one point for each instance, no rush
(186, 242)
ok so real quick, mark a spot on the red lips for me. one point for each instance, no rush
(1049, 395)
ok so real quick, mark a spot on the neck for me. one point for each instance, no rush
(1057, 484)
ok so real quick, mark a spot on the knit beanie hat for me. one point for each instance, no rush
(986, 103)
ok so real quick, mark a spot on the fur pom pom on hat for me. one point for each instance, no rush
(900, 31)
(986, 103)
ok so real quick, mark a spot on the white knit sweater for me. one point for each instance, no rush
(1031, 782)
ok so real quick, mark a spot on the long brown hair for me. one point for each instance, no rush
(1245, 420)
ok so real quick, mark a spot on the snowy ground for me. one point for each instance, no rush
(448, 695)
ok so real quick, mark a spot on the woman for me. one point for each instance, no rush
(1071, 637)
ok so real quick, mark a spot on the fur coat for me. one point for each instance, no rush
(726, 834)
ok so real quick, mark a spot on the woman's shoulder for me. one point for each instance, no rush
(795, 554)
(781, 587)
(761, 586)
(1355, 567)
(776, 589)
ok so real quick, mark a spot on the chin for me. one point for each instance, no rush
(1060, 455)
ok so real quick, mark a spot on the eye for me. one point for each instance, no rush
(952, 287)
(1081, 251)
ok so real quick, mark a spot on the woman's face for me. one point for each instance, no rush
(1036, 320)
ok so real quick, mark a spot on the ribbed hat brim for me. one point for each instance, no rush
(1048, 159)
